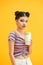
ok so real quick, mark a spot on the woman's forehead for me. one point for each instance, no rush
(24, 17)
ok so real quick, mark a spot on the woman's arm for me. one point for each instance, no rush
(11, 51)
(30, 48)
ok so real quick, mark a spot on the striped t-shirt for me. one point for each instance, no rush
(19, 44)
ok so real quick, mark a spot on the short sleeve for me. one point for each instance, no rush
(11, 36)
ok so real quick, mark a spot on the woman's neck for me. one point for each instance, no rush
(20, 31)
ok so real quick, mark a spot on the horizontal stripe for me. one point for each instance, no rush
(11, 38)
(19, 39)
(18, 53)
(12, 33)
(19, 43)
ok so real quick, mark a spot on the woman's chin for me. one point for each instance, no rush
(22, 28)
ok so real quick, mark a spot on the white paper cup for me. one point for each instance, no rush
(27, 38)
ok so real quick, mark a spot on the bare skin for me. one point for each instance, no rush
(21, 24)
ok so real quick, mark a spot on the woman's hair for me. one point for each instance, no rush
(19, 14)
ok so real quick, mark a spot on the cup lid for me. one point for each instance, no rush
(27, 32)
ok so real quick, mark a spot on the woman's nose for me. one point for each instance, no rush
(24, 23)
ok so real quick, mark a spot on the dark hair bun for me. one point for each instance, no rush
(27, 14)
(16, 13)
(19, 14)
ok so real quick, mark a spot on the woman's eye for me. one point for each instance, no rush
(26, 21)
(22, 20)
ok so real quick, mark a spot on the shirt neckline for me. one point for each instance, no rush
(19, 35)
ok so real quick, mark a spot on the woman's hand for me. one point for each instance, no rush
(30, 48)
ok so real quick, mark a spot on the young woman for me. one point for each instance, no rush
(18, 51)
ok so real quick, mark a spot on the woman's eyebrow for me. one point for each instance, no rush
(22, 19)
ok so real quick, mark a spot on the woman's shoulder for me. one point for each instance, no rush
(12, 32)
(11, 35)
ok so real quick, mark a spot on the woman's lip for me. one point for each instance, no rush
(23, 26)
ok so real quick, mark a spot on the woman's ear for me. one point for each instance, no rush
(16, 21)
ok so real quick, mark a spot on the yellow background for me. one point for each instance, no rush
(35, 25)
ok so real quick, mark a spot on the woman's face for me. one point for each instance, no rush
(22, 22)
